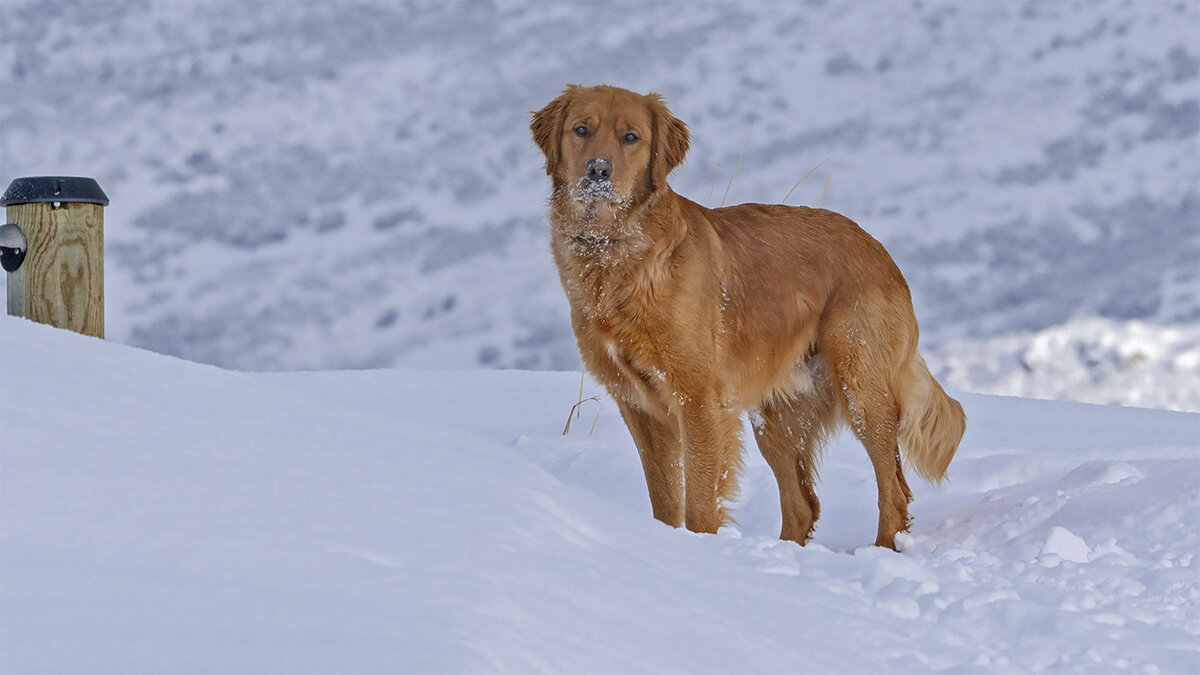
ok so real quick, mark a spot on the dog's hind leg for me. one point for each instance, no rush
(877, 431)
(791, 434)
(874, 418)
(864, 348)
(662, 461)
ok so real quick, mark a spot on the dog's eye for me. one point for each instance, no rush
(581, 131)
(630, 138)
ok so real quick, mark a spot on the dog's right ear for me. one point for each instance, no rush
(547, 129)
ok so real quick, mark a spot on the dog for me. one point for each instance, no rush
(691, 316)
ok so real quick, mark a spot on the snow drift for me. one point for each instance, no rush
(159, 515)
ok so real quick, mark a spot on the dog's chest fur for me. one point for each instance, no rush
(624, 339)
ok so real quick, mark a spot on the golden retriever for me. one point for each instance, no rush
(690, 316)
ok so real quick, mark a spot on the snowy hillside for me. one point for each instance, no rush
(162, 516)
(351, 184)
(1091, 360)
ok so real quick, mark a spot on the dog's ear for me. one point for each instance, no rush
(547, 128)
(670, 142)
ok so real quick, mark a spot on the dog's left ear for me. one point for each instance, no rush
(670, 142)
(547, 129)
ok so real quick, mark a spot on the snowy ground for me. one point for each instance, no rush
(162, 516)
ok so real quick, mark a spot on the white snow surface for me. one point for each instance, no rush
(157, 515)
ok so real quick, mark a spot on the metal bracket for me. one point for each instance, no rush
(12, 247)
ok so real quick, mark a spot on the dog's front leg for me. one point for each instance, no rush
(711, 461)
(658, 445)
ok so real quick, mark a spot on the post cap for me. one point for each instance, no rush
(40, 189)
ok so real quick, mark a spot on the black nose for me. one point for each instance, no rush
(599, 169)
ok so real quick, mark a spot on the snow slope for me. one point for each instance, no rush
(1092, 360)
(162, 516)
(351, 184)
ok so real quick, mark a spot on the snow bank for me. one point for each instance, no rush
(158, 515)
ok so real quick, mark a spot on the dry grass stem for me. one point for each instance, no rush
(575, 413)
(811, 172)
(713, 189)
(831, 169)
(739, 161)
(575, 409)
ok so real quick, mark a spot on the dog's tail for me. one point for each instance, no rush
(931, 423)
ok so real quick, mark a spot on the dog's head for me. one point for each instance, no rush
(607, 150)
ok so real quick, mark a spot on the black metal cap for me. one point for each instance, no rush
(39, 189)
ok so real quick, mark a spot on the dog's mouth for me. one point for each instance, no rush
(595, 215)
(598, 204)
(588, 239)
(593, 193)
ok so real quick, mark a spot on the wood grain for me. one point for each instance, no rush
(62, 280)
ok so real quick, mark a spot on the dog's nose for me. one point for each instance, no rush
(599, 169)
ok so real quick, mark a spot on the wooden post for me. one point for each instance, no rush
(61, 280)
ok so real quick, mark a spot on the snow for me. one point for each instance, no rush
(1091, 359)
(334, 185)
(158, 515)
(1066, 545)
(352, 185)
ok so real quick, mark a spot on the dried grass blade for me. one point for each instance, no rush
(575, 411)
(813, 170)
(832, 167)
(739, 161)
(713, 189)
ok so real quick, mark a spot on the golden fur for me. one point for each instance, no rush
(691, 316)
